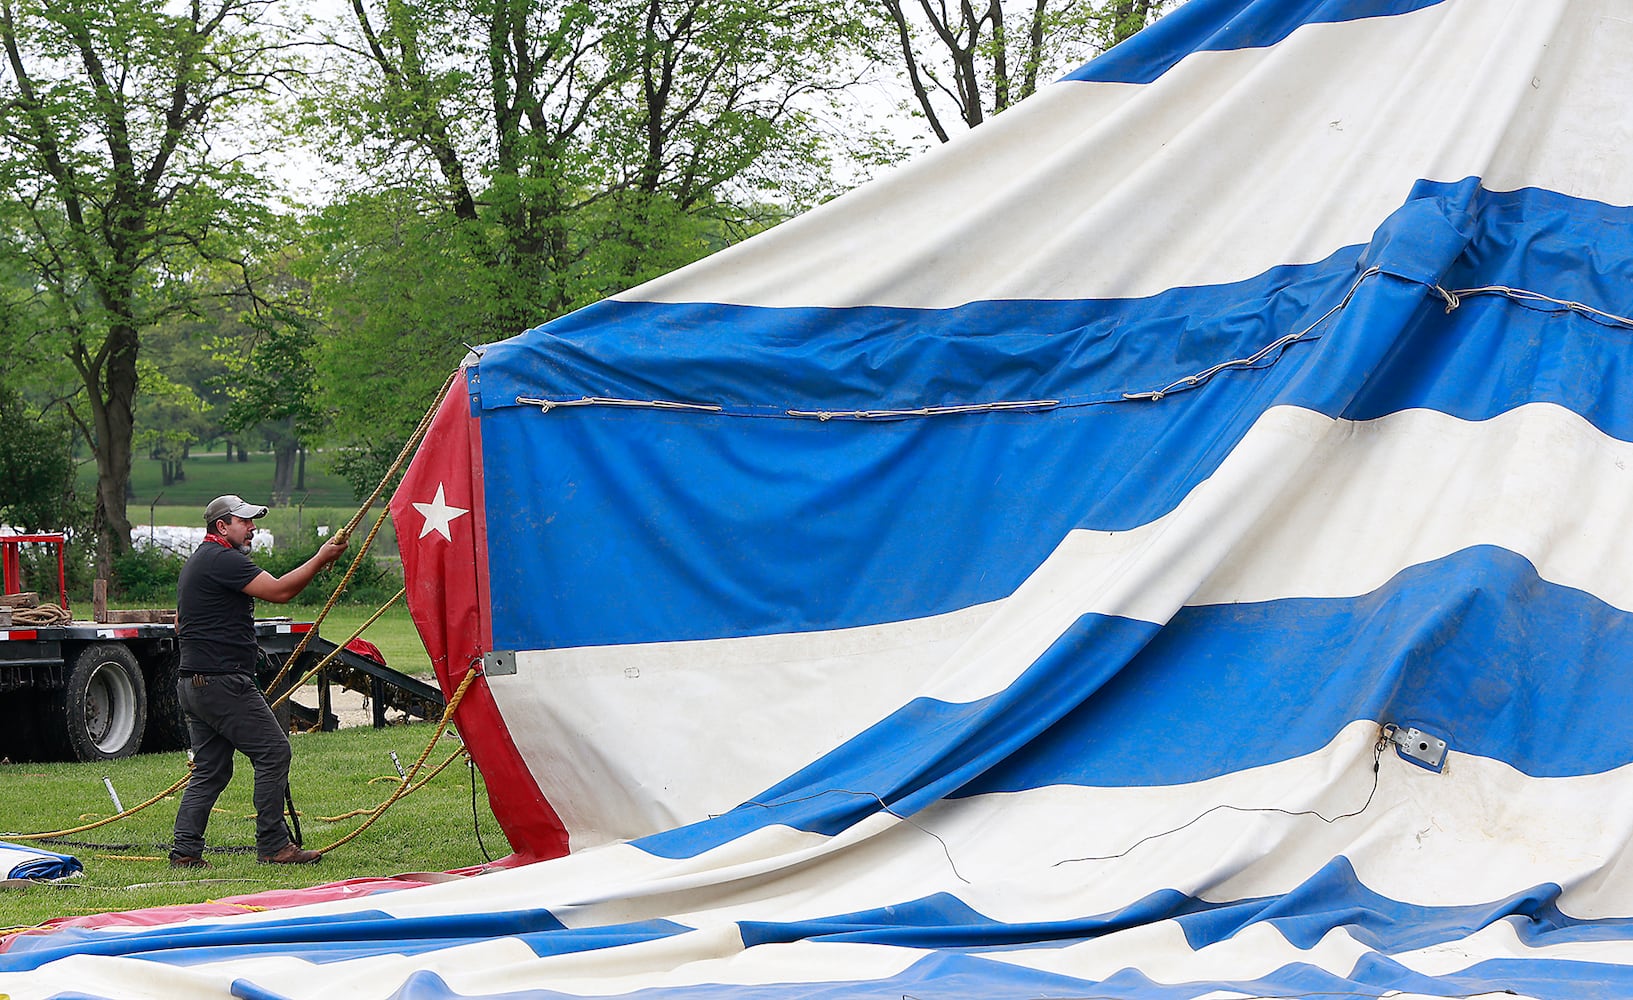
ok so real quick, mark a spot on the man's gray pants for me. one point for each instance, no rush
(227, 712)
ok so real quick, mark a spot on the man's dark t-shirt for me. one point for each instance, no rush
(215, 619)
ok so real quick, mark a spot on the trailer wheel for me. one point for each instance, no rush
(104, 705)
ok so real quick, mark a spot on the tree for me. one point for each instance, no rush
(171, 418)
(516, 159)
(272, 388)
(36, 467)
(982, 58)
(115, 116)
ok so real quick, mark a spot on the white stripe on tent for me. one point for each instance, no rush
(1477, 820)
(1306, 506)
(1216, 171)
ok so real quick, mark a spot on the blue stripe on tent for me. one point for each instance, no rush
(322, 938)
(1332, 898)
(339, 948)
(1439, 647)
(1223, 25)
(901, 520)
(764, 360)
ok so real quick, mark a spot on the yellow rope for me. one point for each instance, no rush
(357, 518)
(406, 787)
(44, 616)
(335, 652)
(461, 752)
(396, 466)
(102, 822)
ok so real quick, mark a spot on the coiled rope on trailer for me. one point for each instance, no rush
(44, 616)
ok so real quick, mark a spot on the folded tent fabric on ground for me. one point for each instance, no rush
(24, 862)
(1166, 543)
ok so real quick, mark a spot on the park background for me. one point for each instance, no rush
(242, 242)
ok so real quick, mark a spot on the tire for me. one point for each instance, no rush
(166, 722)
(103, 708)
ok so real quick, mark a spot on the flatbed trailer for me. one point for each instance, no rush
(95, 691)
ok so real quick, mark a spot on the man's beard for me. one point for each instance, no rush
(243, 546)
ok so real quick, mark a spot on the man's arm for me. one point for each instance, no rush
(283, 589)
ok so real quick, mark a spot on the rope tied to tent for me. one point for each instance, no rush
(339, 648)
(1026, 405)
(1455, 297)
(407, 785)
(1203, 376)
(357, 518)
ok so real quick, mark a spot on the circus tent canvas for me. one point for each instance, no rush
(1168, 543)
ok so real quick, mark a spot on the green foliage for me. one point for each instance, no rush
(402, 294)
(36, 468)
(373, 583)
(114, 194)
(511, 160)
(171, 418)
(275, 382)
(147, 576)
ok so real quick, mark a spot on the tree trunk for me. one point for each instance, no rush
(283, 472)
(111, 412)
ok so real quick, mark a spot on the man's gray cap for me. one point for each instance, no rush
(232, 504)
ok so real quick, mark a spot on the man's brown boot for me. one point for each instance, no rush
(289, 854)
(187, 861)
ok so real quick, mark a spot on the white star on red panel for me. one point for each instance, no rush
(438, 514)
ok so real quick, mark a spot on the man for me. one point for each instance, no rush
(215, 620)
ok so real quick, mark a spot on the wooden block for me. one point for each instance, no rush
(140, 616)
(99, 600)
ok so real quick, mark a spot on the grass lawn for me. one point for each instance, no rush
(333, 773)
(212, 474)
